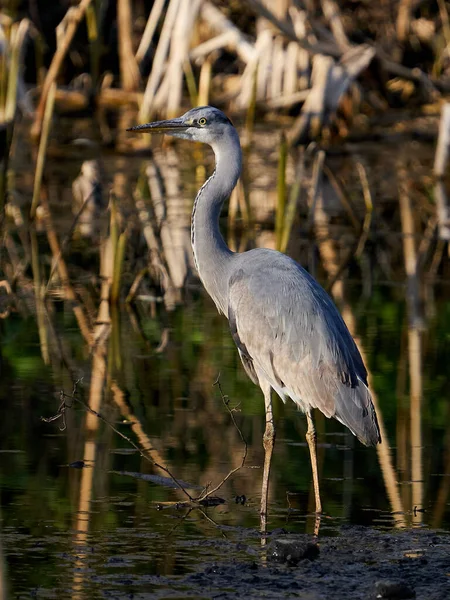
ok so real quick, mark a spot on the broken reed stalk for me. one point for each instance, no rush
(443, 211)
(11, 88)
(179, 49)
(443, 143)
(176, 264)
(159, 61)
(19, 32)
(190, 82)
(218, 22)
(356, 250)
(331, 12)
(414, 341)
(365, 229)
(119, 256)
(409, 251)
(314, 187)
(404, 20)
(69, 292)
(251, 110)
(238, 203)
(46, 124)
(204, 83)
(244, 207)
(68, 237)
(39, 298)
(150, 27)
(294, 196)
(115, 350)
(84, 512)
(154, 250)
(73, 17)
(94, 43)
(129, 71)
(231, 218)
(445, 20)
(416, 393)
(281, 191)
(108, 253)
(39, 51)
(440, 164)
(135, 285)
(343, 198)
(106, 274)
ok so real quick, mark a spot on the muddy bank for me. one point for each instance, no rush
(359, 564)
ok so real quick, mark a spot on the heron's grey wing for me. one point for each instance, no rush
(246, 359)
(287, 327)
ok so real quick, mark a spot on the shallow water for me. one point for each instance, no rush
(90, 532)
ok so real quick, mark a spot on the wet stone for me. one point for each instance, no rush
(292, 550)
(394, 590)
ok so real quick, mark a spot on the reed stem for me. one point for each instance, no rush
(40, 163)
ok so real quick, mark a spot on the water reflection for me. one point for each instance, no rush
(149, 371)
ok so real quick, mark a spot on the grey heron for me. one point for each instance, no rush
(288, 332)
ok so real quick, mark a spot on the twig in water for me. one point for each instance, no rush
(61, 414)
(226, 402)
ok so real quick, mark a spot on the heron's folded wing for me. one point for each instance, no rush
(287, 325)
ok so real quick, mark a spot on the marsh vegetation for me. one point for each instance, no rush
(339, 108)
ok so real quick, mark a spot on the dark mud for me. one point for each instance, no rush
(359, 564)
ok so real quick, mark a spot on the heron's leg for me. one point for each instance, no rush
(268, 443)
(311, 438)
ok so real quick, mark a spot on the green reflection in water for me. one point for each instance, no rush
(172, 394)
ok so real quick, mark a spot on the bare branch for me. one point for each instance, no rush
(231, 411)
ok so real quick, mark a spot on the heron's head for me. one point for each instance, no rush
(203, 124)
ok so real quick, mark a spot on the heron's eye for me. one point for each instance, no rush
(202, 121)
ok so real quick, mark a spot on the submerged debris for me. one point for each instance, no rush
(77, 464)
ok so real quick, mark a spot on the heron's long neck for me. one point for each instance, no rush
(212, 255)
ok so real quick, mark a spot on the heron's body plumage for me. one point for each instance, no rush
(284, 322)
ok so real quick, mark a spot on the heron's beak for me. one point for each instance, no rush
(169, 126)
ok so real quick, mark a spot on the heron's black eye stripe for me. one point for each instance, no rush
(202, 121)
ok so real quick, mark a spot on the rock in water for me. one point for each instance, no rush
(292, 550)
(394, 590)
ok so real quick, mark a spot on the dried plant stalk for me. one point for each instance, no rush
(73, 17)
(219, 23)
(42, 149)
(204, 83)
(183, 29)
(294, 196)
(69, 293)
(129, 71)
(159, 60)
(281, 192)
(443, 143)
(150, 27)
